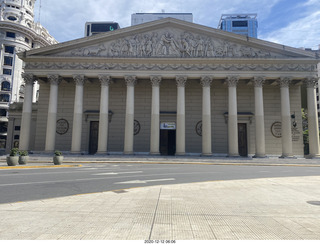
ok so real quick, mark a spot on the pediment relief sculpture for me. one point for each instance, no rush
(171, 43)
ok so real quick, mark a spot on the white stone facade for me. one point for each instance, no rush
(18, 33)
(169, 87)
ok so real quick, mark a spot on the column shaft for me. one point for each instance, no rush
(285, 118)
(233, 117)
(314, 147)
(77, 115)
(129, 124)
(181, 127)
(26, 112)
(52, 113)
(155, 116)
(104, 114)
(259, 117)
(206, 116)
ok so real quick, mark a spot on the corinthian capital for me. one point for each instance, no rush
(79, 79)
(285, 81)
(232, 81)
(155, 80)
(181, 81)
(130, 80)
(258, 81)
(28, 78)
(311, 82)
(54, 79)
(206, 81)
(105, 80)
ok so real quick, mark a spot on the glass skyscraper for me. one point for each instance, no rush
(243, 24)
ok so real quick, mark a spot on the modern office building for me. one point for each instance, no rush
(242, 24)
(139, 18)
(93, 28)
(18, 33)
(169, 87)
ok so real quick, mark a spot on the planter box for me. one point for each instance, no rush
(12, 160)
(23, 159)
(57, 160)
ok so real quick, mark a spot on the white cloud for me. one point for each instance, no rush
(65, 19)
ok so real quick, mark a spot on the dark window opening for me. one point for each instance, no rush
(3, 112)
(4, 98)
(8, 61)
(26, 40)
(12, 18)
(5, 86)
(242, 23)
(7, 71)
(11, 34)
(17, 128)
(9, 49)
(3, 127)
(16, 137)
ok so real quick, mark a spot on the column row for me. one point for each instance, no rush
(205, 81)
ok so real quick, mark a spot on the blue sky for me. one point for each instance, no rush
(293, 23)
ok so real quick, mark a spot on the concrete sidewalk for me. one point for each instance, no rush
(69, 159)
(267, 209)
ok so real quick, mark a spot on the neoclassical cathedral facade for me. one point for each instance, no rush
(169, 87)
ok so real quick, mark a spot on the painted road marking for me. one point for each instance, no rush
(143, 181)
(118, 173)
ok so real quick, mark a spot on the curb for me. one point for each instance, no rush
(40, 166)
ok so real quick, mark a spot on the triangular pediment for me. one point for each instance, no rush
(170, 38)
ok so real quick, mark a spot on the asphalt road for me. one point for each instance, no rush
(34, 184)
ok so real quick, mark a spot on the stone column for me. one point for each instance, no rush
(259, 117)
(181, 127)
(286, 133)
(206, 115)
(26, 112)
(77, 114)
(52, 113)
(314, 150)
(105, 81)
(155, 116)
(129, 130)
(233, 116)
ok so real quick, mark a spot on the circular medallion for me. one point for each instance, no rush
(199, 128)
(276, 129)
(136, 127)
(62, 126)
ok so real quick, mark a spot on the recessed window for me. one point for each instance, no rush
(3, 112)
(4, 98)
(8, 60)
(5, 86)
(11, 34)
(240, 23)
(12, 18)
(9, 49)
(7, 71)
(17, 128)
(26, 40)
(16, 137)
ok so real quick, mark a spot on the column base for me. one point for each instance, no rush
(288, 157)
(154, 153)
(310, 156)
(128, 153)
(206, 154)
(260, 156)
(233, 156)
(180, 154)
(101, 153)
